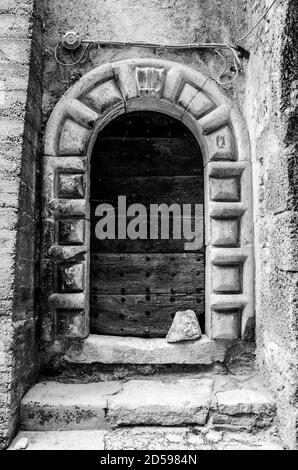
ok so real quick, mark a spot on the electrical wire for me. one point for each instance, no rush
(86, 51)
(65, 82)
(198, 46)
(70, 64)
(153, 45)
(237, 67)
(257, 24)
(233, 48)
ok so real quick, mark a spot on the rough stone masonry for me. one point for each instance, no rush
(265, 92)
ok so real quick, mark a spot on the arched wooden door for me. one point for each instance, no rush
(136, 286)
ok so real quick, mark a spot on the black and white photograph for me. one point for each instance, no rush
(148, 228)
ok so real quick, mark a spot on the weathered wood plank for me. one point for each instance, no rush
(148, 190)
(120, 156)
(140, 315)
(124, 274)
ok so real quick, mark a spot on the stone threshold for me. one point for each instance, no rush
(131, 350)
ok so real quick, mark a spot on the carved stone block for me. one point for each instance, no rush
(226, 279)
(71, 323)
(71, 231)
(224, 232)
(70, 277)
(226, 324)
(81, 113)
(221, 144)
(195, 101)
(70, 186)
(74, 139)
(150, 80)
(104, 96)
(225, 189)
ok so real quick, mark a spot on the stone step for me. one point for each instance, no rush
(188, 438)
(146, 438)
(54, 406)
(58, 440)
(223, 402)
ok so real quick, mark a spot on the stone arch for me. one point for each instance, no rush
(184, 93)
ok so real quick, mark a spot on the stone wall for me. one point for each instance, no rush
(270, 111)
(20, 106)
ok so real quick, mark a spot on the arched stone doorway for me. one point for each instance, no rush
(185, 94)
(137, 285)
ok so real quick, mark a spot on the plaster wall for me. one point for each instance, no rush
(175, 21)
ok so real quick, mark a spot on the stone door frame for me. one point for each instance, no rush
(95, 100)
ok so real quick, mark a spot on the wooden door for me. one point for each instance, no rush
(138, 285)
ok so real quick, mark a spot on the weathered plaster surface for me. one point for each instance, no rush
(166, 21)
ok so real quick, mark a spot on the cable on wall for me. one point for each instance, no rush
(71, 38)
(72, 42)
(257, 23)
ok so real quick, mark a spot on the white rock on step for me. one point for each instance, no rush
(185, 327)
